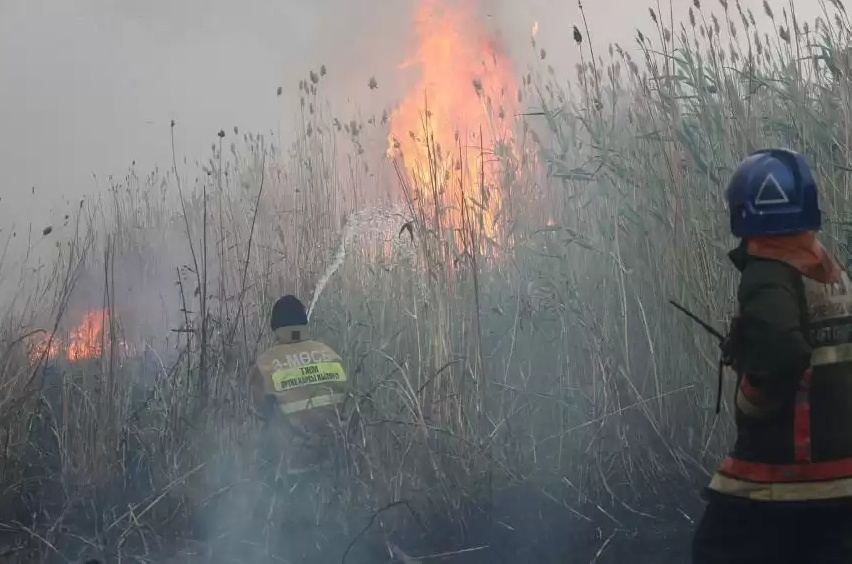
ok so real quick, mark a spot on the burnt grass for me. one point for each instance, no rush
(527, 525)
(521, 524)
(42, 520)
(524, 525)
(531, 530)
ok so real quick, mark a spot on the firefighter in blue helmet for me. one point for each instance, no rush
(299, 387)
(784, 494)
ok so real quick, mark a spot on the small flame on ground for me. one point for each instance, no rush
(466, 87)
(86, 340)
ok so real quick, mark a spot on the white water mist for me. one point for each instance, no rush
(381, 220)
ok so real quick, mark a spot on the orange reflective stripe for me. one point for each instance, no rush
(781, 473)
(802, 419)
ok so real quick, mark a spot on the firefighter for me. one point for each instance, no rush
(784, 494)
(299, 388)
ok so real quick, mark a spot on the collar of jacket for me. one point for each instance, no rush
(292, 334)
(804, 252)
(739, 255)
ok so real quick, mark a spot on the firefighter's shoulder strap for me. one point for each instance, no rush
(730, 355)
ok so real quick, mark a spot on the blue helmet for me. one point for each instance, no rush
(772, 192)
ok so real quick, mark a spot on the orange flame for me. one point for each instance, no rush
(462, 91)
(86, 340)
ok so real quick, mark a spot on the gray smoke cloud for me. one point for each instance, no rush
(90, 85)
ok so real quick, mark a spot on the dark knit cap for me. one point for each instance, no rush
(288, 312)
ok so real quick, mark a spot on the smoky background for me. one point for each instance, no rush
(520, 407)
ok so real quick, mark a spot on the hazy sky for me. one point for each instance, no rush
(87, 86)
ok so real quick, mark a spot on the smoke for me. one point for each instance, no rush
(90, 86)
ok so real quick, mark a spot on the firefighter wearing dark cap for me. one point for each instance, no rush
(784, 494)
(299, 387)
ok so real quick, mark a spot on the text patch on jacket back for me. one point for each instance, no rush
(307, 375)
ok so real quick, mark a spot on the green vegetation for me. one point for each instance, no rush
(550, 362)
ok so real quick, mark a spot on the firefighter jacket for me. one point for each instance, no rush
(297, 375)
(794, 398)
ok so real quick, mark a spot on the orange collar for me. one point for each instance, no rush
(802, 251)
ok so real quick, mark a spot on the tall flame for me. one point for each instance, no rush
(465, 87)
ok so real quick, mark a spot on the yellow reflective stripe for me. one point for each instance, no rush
(318, 401)
(308, 375)
(799, 491)
(831, 355)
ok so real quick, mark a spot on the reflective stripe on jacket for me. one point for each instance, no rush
(794, 404)
(299, 373)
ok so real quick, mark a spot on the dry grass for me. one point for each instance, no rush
(548, 360)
